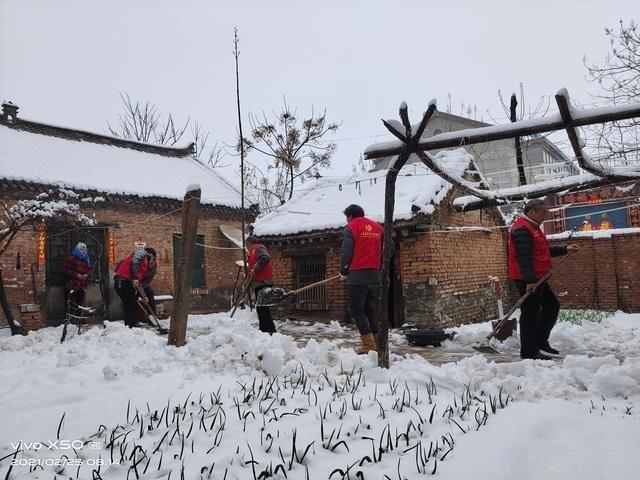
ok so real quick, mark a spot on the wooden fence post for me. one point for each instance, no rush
(182, 294)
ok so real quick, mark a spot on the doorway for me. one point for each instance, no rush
(60, 242)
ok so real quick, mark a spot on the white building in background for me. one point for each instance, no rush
(497, 160)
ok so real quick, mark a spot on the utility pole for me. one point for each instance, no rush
(236, 54)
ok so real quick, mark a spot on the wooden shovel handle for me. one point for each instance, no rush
(521, 300)
(245, 288)
(307, 287)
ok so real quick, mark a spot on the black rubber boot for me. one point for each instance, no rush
(549, 349)
(537, 356)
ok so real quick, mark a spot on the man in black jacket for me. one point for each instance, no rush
(360, 268)
(529, 260)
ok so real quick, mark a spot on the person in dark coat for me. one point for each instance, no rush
(529, 260)
(76, 269)
(129, 274)
(261, 272)
(360, 268)
(149, 275)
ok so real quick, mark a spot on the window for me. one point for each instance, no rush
(437, 131)
(311, 269)
(197, 268)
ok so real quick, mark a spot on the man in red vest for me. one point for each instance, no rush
(529, 259)
(129, 273)
(360, 267)
(261, 271)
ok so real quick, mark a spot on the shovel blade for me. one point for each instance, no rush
(268, 297)
(485, 348)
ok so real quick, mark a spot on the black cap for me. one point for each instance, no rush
(354, 211)
(534, 204)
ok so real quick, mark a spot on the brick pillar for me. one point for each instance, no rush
(605, 275)
(30, 317)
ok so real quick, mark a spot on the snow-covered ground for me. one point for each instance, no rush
(238, 403)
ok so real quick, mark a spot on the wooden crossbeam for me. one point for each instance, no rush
(433, 165)
(518, 129)
(574, 140)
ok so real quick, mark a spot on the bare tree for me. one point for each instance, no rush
(143, 122)
(56, 205)
(257, 186)
(295, 149)
(213, 155)
(618, 79)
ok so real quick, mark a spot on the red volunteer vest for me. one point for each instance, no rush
(541, 255)
(267, 271)
(367, 237)
(124, 270)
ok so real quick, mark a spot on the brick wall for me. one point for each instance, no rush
(283, 257)
(445, 275)
(603, 274)
(133, 224)
(19, 277)
(220, 268)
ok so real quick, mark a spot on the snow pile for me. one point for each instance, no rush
(318, 205)
(234, 400)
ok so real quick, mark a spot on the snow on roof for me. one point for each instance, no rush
(565, 183)
(593, 233)
(319, 205)
(54, 160)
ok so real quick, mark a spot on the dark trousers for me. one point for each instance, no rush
(363, 301)
(125, 290)
(538, 315)
(264, 315)
(73, 300)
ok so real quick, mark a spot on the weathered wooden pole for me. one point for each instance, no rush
(236, 54)
(522, 177)
(182, 294)
(409, 145)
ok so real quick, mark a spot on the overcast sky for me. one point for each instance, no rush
(66, 62)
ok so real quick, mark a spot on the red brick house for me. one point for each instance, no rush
(444, 261)
(133, 191)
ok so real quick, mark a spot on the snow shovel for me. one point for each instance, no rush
(485, 347)
(143, 302)
(245, 289)
(272, 296)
